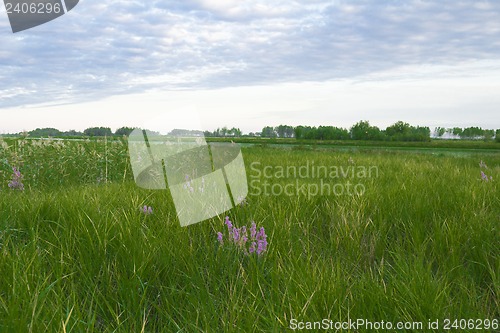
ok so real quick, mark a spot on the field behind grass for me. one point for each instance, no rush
(77, 254)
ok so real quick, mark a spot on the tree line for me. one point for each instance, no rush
(400, 131)
(91, 131)
(362, 130)
(467, 133)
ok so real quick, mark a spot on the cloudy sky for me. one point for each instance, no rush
(251, 63)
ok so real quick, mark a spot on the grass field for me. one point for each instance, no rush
(417, 241)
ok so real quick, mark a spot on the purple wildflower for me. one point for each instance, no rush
(147, 210)
(16, 182)
(261, 241)
(236, 235)
(248, 242)
(253, 230)
(261, 246)
(244, 235)
(252, 247)
(261, 234)
(229, 225)
(484, 176)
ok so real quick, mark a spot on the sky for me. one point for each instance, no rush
(253, 63)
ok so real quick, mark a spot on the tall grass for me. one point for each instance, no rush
(78, 255)
(48, 163)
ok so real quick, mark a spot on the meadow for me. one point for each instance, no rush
(416, 241)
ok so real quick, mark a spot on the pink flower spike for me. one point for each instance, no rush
(253, 230)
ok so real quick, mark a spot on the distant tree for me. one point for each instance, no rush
(217, 132)
(234, 132)
(324, 133)
(497, 135)
(362, 130)
(124, 131)
(343, 134)
(359, 131)
(401, 131)
(439, 131)
(44, 132)
(398, 130)
(185, 133)
(299, 132)
(284, 131)
(472, 133)
(72, 133)
(289, 131)
(449, 131)
(488, 134)
(305, 132)
(98, 131)
(268, 132)
(224, 131)
(420, 133)
(457, 131)
(376, 134)
(311, 133)
(331, 133)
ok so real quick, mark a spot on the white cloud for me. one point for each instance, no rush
(249, 9)
(421, 95)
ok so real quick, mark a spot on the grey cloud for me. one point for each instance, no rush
(120, 47)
